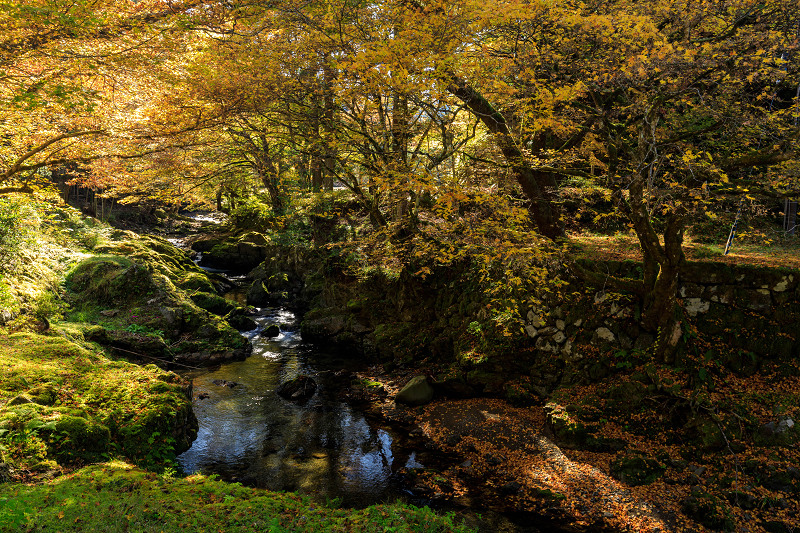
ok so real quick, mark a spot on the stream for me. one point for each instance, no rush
(322, 447)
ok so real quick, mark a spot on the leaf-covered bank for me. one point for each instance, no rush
(700, 442)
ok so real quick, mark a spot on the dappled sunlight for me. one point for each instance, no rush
(506, 445)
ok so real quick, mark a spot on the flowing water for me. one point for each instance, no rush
(324, 447)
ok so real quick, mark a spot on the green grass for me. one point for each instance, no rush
(115, 497)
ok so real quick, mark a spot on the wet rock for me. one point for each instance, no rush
(110, 312)
(273, 330)
(298, 389)
(203, 396)
(225, 383)
(416, 392)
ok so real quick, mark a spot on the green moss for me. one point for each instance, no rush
(109, 279)
(212, 303)
(116, 497)
(195, 281)
(83, 406)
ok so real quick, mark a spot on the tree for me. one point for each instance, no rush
(60, 63)
(661, 109)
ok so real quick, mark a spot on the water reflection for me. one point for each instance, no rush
(251, 435)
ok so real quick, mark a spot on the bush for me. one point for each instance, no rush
(254, 213)
(12, 231)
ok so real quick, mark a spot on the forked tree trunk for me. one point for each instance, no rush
(662, 265)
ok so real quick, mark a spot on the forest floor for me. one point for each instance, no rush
(620, 247)
(504, 458)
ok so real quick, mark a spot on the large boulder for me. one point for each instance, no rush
(416, 392)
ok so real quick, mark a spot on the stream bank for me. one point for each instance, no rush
(69, 398)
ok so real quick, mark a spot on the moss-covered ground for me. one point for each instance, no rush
(115, 497)
(88, 439)
(62, 405)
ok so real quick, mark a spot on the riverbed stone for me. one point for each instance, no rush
(273, 330)
(416, 392)
(298, 389)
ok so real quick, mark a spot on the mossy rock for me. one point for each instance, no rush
(109, 279)
(212, 303)
(627, 397)
(709, 511)
(242, 322)
(78, 437)
(86, 402)
(567, 430)
(44, 394)
(416, 392)
(636, 470)
(196, 281)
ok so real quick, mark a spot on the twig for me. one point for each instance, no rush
(156, 358)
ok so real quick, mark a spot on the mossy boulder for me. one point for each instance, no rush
(416, 392)
(636, 470)
(196, 281)
(272, 330)
(212, 303)
(110, 279)
(144, 312)
(87, 406)
(242, 322)
(78, 438)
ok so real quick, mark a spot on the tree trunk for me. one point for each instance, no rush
(537, 186)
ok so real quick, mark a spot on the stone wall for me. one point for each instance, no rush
(747, 312)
